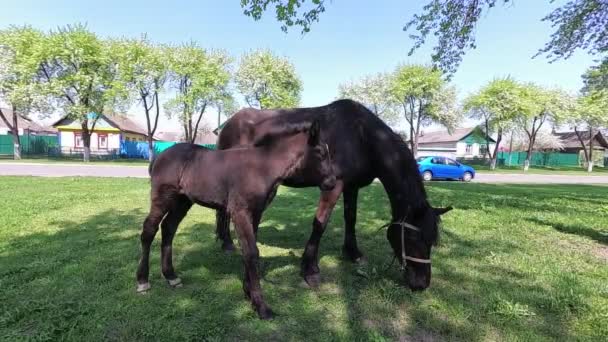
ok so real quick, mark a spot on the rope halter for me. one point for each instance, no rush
(404, 225)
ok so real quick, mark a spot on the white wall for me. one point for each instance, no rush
(67, 140)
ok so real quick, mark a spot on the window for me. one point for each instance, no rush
(102, 141)
(439, 160)
(469, 149)
(451, 162)
(78, 140)
(419, 159)
(483, 149)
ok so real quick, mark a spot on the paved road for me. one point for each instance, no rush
(96, 170)
(63, 170)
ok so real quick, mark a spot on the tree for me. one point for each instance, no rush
(268, 81)
(596, 78)
(425, 98)
(80, 75)
(143, 68)
(200, 79)
(496, 104)
(374, 91)
(590, 112)
(19, 87)
(578, 24)
(540, 106)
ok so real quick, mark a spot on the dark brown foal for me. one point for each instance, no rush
(240, 181)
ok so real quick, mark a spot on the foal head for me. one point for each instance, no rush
(412, 240)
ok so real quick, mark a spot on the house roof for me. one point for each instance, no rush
(121, 122)
(24, 123)
(445, 136)
(125, 124)
(570, 139)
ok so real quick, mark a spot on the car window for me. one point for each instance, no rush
(419, 159)
(451, 162)
(438, 160)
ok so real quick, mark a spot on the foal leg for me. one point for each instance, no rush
(158, 210)
(168, 229)
(350, 248)
(222, 230)
(310, 258)
(251, 280)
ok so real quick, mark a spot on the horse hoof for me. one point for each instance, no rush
(143, 288)
(313, 280)
(175, 283)
(265, 313)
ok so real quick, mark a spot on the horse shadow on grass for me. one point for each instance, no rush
(574, 229)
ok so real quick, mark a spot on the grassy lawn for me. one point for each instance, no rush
(515, 262)
(577, 171)
(120, 162)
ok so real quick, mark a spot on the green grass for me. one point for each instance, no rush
(515, 262)
(116, 162)
(563, 170)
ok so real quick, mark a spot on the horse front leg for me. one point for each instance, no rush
(350, 248)
(251, 280)
(310, 259)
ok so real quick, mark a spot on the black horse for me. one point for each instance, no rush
(240, 182)
(362, 148)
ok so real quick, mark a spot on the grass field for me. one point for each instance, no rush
(527, 263)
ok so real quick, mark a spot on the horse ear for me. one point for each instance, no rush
(441, 211)
(313, 133)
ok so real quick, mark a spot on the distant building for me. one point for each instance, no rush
(107, 135)
(460, 143)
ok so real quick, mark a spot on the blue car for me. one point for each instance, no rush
(435, 167)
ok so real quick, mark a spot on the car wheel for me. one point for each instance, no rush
(427, 176)
(467, 176)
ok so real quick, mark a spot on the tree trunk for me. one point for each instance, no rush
(590, 162)
(580, 139)
(510, 148)
(86, 141)
(494, 154)
(150, 148)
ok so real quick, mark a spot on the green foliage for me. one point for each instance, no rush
(579, 24)
(374, 91)
(79, 72)
(268, 81)
(424, 97)
(498, 102)
(514, 263)
(19, 66)
(591, 110)
(286, 12)
(200, 79)
(453, 22)
(596, 77)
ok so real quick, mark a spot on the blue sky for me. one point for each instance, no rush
(353, 38)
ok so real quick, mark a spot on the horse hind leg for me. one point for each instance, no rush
(168, 229)
(222, 230)
(158, 209)
(244, 226)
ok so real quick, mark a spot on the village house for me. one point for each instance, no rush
(108, 133)
(464, 143)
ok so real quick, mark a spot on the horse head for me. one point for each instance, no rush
(412, 239)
